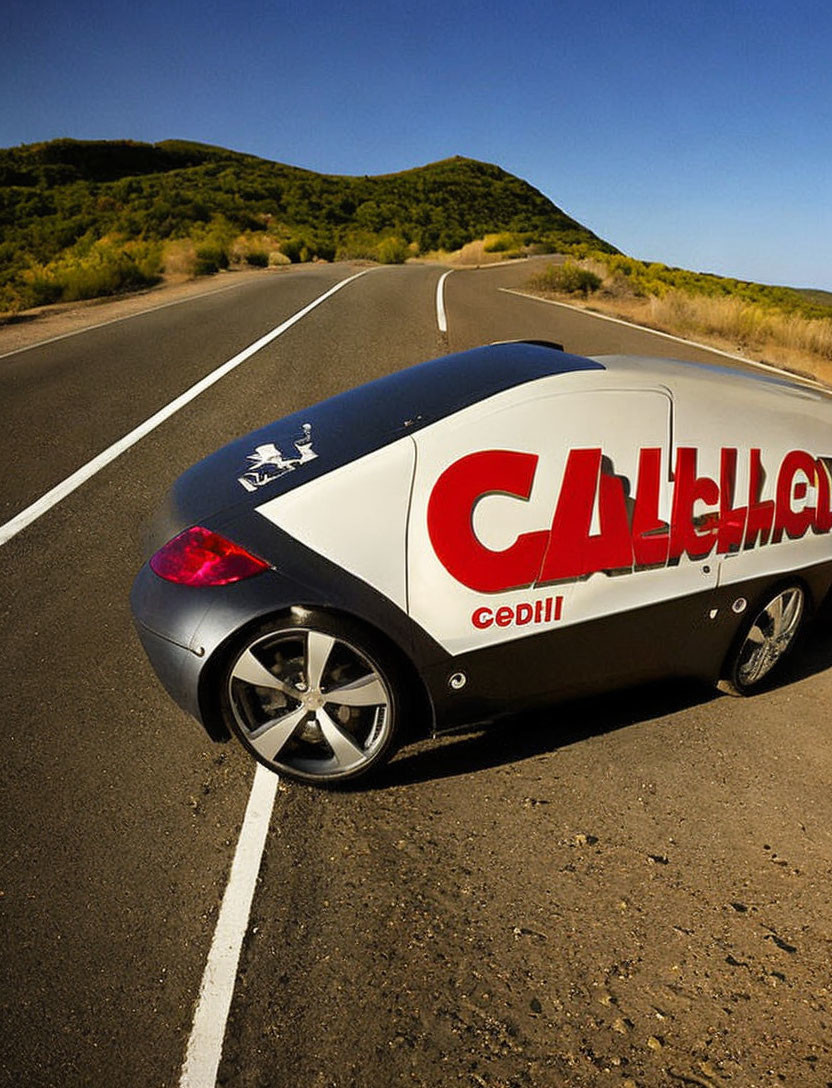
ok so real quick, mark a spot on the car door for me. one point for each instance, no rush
(531, 496)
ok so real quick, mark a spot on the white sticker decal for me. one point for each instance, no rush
(269, 464)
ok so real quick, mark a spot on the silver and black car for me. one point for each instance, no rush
(482, 533)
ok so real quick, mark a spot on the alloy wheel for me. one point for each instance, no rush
(311, 705)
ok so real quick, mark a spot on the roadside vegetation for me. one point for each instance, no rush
(779, 325)
(85, 219)
(79, 219)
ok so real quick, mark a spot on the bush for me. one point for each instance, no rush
(392, 251)
(43, 287)
(210, 258)
(257, 258)
(357, 246)
(569, 279)
(500, 243)
(294, 249)
(105, 268)
(323, 249)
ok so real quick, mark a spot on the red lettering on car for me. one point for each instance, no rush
(704, 516)
(451, 521)
(572, 551)
(794, 523)
(542, 611)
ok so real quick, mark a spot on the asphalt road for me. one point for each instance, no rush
(634, 889)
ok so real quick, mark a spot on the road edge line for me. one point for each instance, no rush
(792, 375)
(202, 1057)
(60, 491)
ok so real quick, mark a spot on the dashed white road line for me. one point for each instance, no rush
(67, 486)
(441, 316)
(202, 1058)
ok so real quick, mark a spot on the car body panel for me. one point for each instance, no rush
(366, 501)
(541, 426)
(518, 523)
(336, 432)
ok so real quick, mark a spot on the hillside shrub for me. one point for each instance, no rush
(323, 249)
(357, 245)
(210, 258)
(500, 243)
(392, 251)
(106, 268)
(569, 279)
(294, 249)
(179, 258)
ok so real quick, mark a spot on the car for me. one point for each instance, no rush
(483, 533)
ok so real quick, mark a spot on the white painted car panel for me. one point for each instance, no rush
(373, 516)
(724, 427)
(356, 516)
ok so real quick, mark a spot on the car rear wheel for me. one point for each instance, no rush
(766, 640)
(318, 702)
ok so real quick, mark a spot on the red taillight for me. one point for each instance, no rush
(199, 557)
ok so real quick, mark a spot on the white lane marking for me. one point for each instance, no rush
(441, 316)
(669, 336)
(67, 486)
(202, 1057)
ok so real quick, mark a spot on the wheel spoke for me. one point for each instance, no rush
(343, 746)
(756, 665)
(791, 615)
(251, 671)
(366, 691)
(270, 738)
(775, 613)
(318, 648)
(756, 636)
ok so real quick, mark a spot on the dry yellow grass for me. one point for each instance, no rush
(472, 254)
(795, 343)
(257, 242)
(180, 255)
(179, 260)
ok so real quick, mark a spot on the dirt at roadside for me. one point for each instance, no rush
(632, 892)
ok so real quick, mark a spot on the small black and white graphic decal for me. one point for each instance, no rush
(268, 463)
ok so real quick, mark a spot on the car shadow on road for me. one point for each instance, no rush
(519, 737)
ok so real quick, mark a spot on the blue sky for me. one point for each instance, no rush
(698, 134)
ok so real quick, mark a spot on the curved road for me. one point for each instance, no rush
(631, 890)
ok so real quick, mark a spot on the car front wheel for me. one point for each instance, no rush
(766, 640)
(317, 701)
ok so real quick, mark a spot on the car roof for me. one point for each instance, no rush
(361, 420)
(672, 372)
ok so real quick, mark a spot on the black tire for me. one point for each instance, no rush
(765, 640)
(314, 697)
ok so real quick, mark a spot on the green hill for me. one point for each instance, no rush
(821, 298)
(83, 218)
